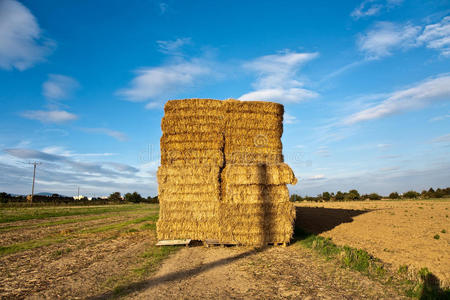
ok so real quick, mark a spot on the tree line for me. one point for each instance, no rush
(114, 198)
(354, 195)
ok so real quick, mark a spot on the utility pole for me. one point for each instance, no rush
(78, 193)
(34, 176)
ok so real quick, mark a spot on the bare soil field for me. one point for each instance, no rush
(400, 233)
(109, 252)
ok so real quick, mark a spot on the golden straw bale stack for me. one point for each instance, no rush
(189, 177)
(222, 174)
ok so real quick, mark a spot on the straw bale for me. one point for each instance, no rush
(253, 116)
(259, 140)
(189, 189)
(189, 112)
(244, 132)
(187, 146)
(237, 157)
(192, 137)
(272, 174)
(188, 170)
(189, 197)
(254, 193)
(191, 119)
(197, 230)
(191, 128)
(192, 104)
(232, 105)
(180, 179)
(197, 153)
(255, 150)
(254, 124)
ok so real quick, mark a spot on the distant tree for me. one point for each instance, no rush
(326, 196)
(374, 196)
(295, 198)
(115, 197)
(134, 197)
(411, 194)
(352, 195)
(439, 193)
(394, 195)
(4, 197)
(339, 196)
(151, 199)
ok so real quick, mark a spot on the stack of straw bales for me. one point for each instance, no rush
(255, 207)
(222, 174)
(191, 161)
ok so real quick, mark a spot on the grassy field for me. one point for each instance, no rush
(65, 247)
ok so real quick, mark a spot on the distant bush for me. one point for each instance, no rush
(411, 194)
(394, 195)
(374, 196)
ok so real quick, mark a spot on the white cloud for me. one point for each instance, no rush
(290, 95)
(323, 151)
(277, 78)
(289, 119)
(49, 116)
(385, 37)
(365, 9)
(120, 136)
(157, 82)
(173, 47)
(369, 8)
(442, 139)
(21, 41)
(437, 36)
(59, 87)
(440, 118)
(411, 98)
(317, 177)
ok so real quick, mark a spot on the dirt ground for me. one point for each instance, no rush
(413, 233)
(107, 255)
(238, 273)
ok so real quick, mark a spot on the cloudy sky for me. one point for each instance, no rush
(365, 84)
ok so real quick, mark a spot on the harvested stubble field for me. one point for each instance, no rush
(109, 251)
(401, 233)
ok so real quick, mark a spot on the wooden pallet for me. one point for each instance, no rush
(185, 242)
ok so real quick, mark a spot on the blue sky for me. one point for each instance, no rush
(365, 84)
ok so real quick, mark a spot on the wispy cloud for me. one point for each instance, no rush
(120, 136)
(369, 8)
(420, 95)
(385, 37)
(317, 177)
(323, 151)
(49, 116)
(59, 87)
(289, 119)
(22, 43)
(442, 139)
(157, 82)
(277, 77)
(437, 36)
(173, 47)
(440, 118)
